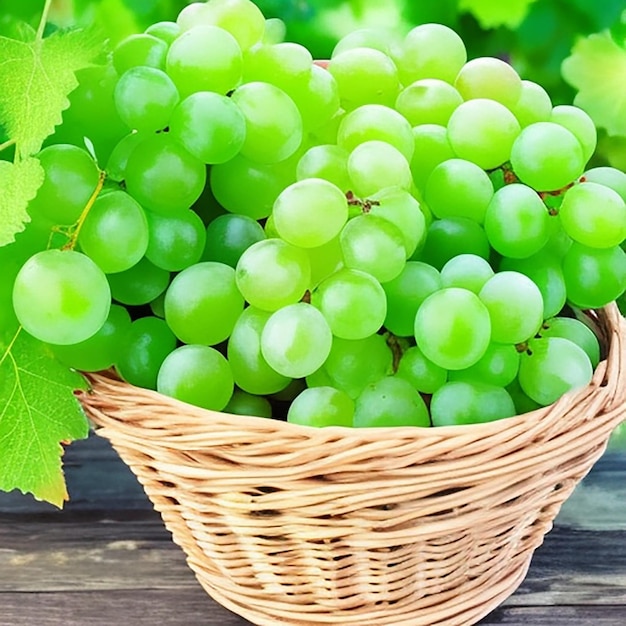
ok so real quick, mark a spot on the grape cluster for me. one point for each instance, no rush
(398, 236)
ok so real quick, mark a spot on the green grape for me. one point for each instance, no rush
(61, 296)
(282, 64)
(310, 212)
(198, 375)
(273, 122)
(483, 131)
(593, 215)
(118, 159)
(609, 177)
(376, 122)
(449, 237)
(327, 132)
(452, 328)
(375, 165)
(498, 366)
(551, 367)
(488, 77)
(373, 245)
(136, 50)
(375, 38)
(115, 232)
(406, 293)
(204, 58)
(467, 271)
(202, 303)
(175, 241)
(594, 277)
(167, 31)
(517, 221)
(390, 401)
(321, 406)
(145, 98)
(242, 18)
(459, 188)
(272, 274)
(163, 177)
(420, 371)
(365, 76)
(533, 105)
(296, 340)
(547, 156)
(71, 177)
(229, 236)
(577, 332)
(353, 303)
(140, 284)
(98, 352)
(515, 306)
(325, 260)
(431, 148)
(191, 15)
(523, 404)
(250, 369)
(143, 348)
(157, 306)
(428, 101)
(248, 188)
(210, 126)
(544, 269)
(352, 364)
(431, 51)
(244, 403)
(459, 403)
(275, 30)
(579, 124)
(329, 162)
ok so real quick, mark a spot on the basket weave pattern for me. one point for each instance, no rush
(285, 524)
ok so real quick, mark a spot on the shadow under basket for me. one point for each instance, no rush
(286, 524)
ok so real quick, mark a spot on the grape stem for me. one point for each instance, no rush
(7, 144)
(83, 216)
(396, 350)
(44, 19)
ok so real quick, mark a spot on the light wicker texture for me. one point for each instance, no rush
(285, 524)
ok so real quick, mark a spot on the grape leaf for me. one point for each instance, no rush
(19, 183)
(37, 411)
(36, 77)
(597, 68)
(494, 13)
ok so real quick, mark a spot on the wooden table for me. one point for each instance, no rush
(107, 560)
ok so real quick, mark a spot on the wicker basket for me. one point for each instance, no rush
(285, 524)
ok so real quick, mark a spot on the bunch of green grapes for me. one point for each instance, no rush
(397, 236)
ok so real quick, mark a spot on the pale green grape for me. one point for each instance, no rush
(577, 332)
(553, 366)
(61, 297)
(533, 105)
(420, 371)
(352, 302)
(488, 77)
(296, 340)
(390, 401)
(483, 131)
(283, 64)
(140, 284)
(115, 232)
(321, 406)
(203, 303)
(142, 350)
(310, 212)
(468, 271)
(244, 403)
(523, 404)
(428, 101)
(375, 38)
(191, 15)
(167, 31)
(610, 177)
(405, 294)
(517, 221)
(547, 156)
(275, 30)
(134, 50)
(458, 188)
(452, 328)
(462, 402)
(198, 375)
(118, 159)
(250, 369)
(242, 18)
(498, 366)
(515, 306)
(579, 124)
(229, 236)
(327, 161)
(593, 215)
(272, 274)
(325, 260)
(431, 148)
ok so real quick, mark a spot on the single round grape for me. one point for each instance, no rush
(610, 177)
(134, 50)
(579, 124)
(533, 105)
(283, 65)
(428, 101)
(241, 18)
(310, 213)
(61, 297)
(488, 77)
(244, 403)
(420, 371)
(118, 159)
(375, 38)
(467, 271)
(390, 401)
(431, 148)
(167, 31)
(229, 236)
(577, 332)
(210, 126)
(352, 302)
(498, 366)
(452, 328)
(198, 375)
(553, 366)
(515, 307)
(327, 161)
(321, 406)
(140, 284)
(142, 350)
(523, 404)
(157, 306)
(462, 402)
